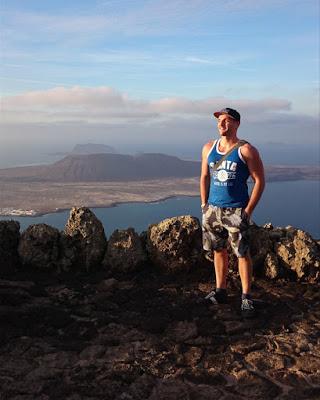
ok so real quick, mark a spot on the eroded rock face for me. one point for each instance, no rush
(272, 269)
(9, 240)
(260, 245)
(175, 243)
(39, 247)
(125, 252)
(88, 237)
(68, 253)
(298, 252)
(287, 253)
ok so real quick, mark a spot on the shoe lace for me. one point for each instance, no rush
(211, 294)
(247, 304)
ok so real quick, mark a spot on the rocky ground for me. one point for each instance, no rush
(152, 337)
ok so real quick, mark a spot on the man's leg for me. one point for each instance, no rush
(245, 271)
(216, 237)
(221, 268)
(237, 224)
(219, 295)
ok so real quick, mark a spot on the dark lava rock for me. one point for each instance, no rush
(125, 252)
(299, 253)
(174, 245)
(88, 237)
(39, 247)
(9, 240)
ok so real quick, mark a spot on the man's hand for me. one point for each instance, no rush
(255, 166)
(205, 174)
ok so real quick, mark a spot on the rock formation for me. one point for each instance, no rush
(297, 251)
(287, 253)
(9, 240)
(88, 237)
(125, 252)
(174, 244)
(39, 247)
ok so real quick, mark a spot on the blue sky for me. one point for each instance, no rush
(153, 71)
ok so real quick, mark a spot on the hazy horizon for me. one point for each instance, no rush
(271, 154)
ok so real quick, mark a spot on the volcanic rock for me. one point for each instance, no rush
(9, 240)
(298, 252)
(260, 245)
(88, 237)
(124, 252)
(174, 244)
(272, 269)
(39, 247)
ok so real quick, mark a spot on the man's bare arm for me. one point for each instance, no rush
(255, 165)
(205, 174)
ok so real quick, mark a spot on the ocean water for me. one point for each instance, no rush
(295, 203)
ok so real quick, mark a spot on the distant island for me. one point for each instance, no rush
(87, 148)
(92, 148)
(105, 179)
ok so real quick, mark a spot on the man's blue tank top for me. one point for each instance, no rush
(228, 184)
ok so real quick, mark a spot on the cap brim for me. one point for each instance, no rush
(218, 113)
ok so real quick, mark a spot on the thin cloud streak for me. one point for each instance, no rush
(103, 104)
(157, 17)
(34, 81)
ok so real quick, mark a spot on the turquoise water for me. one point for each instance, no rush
(295, 203)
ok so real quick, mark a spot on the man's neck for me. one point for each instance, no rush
(227, 142)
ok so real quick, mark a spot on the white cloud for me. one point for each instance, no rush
(105, 104)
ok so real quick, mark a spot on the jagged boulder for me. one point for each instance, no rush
(260, 245)
(9, 240)
(39, 247)
(88, 237)
(282, 252)
(298, 252)
(125, 252)
(272, 268)
(68, 253)
(175, 244)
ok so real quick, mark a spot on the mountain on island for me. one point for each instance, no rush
(87, 148)
(92, 148)
(106, 167)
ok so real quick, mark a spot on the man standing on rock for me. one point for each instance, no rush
(226, 204)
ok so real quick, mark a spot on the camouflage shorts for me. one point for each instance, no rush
(222, 224)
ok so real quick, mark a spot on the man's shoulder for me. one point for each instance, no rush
(248, 150)
(207, 147)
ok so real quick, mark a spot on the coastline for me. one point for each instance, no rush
(158, 196)
(109, 205)
(37, 199)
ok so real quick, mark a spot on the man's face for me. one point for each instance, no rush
(227, 125)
